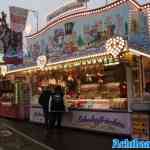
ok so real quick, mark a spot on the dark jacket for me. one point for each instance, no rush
(44, 99)
(57, 103)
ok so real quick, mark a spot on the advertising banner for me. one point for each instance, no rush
(18, 17)
(14, 51)
(13, 37)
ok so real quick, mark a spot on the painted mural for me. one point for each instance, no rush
(82, 36)
(138, 33)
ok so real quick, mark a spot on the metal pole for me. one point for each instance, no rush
(37, 21)
(36, 13)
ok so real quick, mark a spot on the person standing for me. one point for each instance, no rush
(57, 107)
(45, 101)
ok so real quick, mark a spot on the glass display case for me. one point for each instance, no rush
(97, 87)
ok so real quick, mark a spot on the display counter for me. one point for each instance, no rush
(98, 104)
(109, 121)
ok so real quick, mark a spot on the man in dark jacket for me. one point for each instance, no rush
(57, 107)
(45, 100)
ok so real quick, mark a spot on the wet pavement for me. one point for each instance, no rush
(22, 135)
(13, 139)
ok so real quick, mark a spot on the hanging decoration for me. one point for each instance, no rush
(41, 61)
(115, 46)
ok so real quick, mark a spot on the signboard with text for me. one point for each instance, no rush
(111, 122)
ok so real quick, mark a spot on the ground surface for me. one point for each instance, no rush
(22, 135)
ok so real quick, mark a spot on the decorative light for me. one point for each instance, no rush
(99, 60)
(83, 62)
(115, 45)
(41, 61)
(3, 70)
(89, 62)
(94, 61)
(28, 29)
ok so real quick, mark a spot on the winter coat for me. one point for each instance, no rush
(57, 102)
(44, 99)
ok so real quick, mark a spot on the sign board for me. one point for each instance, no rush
(111, 122)
(36, 114)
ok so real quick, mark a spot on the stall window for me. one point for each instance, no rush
(7, 91)
(98, 82)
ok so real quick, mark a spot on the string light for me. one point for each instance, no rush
(115, 45)
(85, 13)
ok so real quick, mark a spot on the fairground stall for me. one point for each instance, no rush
(102, 59)
(14, 96)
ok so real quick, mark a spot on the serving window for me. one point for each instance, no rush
(97, 87)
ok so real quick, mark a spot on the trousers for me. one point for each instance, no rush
(55, 118)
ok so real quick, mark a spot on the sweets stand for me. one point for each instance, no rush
(99, 66)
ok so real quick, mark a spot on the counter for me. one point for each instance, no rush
(116, 122)
(15, 111)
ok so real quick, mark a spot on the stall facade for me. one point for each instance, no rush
(101, 59)
(14, 96)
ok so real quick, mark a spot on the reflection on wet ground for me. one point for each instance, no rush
(10, 139)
